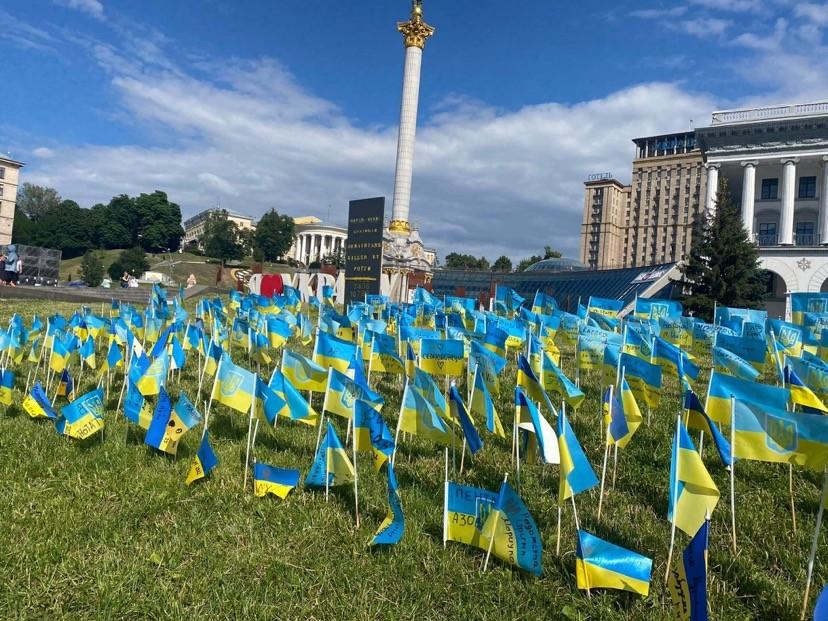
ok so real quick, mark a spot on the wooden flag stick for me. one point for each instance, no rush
(791, 492)
(247, 455)
(614, 464)
(356, 480)
(577, 530)
(463, 455)
(606, 454)
(494, 531)
(674, 499)
(445, 502)
(558, 538)
(814, 543)
(733, 470)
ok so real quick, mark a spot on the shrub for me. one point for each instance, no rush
(92, 270)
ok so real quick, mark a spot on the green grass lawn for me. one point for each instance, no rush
(106, 528)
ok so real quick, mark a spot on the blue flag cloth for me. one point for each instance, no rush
(600, 564)
(458, 411)
(393, 526)
(513, 533)
(687, 582)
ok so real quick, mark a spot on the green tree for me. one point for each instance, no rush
(247, 241)
(723, 266)
(108, 231)
(66, 227)
(457, 261)
(131, 260)
(221, 238)
(23, 228)
(36, 200)
(548, 253)
(274, 235)
(503, 264)
(158, 222)
(92, 269)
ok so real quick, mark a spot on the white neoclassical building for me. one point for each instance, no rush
(775, 161)
(315, 240)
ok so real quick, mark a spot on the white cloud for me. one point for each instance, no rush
(24, 35)
(43, 153)
(676, 11)
(90, 7)
(747, 6)
(703, 26)
(486, 181)
(816, 13)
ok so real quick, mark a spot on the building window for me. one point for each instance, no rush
(770, 189)
(2, 172)
(1, 191)
(807, 187)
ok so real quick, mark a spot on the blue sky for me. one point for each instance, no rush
(254, 104)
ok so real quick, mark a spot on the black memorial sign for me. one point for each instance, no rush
(363, 254)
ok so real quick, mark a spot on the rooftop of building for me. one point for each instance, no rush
(202, 214)
(682, 134)
(5, 159)
(769, 113)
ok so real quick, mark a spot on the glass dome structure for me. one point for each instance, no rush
(561, 264)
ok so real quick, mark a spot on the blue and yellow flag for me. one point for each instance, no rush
(59, 357)
(636, 345)
(766, 433)
(495, 339)
(687, 581)
(169, 424)
(527, 380)
(465, 511)
(204, 462)
(419, 417)
(512, 532)
(532, 421)
(787, 337)
(278, 331)
(693, 494)
(725, 361)
(624, 416)
(722, 387)
(490, 364)
(303, 372)
(429, 389)
(331, 463)
(600, 564)
(643, 378)
(155, 376)
(6, 386)
(393, 526)
(83, 417)
(371, 434)
(483, 405)
(654, 308)
(458, 412)
(87, 352)
(343, 392)
(66, 386)
(37, 404)
(234, 386)
(748, 349)
(296, 407)
(576, 473)
(553, 378)
(697, 418)
(273, 480)
(674, 361)
(604, 306)
(384, 357)
(442, 357)
(800, 393)
(333, 352)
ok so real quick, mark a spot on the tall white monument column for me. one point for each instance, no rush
(786, 218)
(415, 32)
(712, 188)
(748, 195)
(823, 203)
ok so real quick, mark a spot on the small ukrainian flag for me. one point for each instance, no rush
(273, 480)
(204, 461)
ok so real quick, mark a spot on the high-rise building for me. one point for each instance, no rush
(650, 221)
(9, 180)
(606, 207)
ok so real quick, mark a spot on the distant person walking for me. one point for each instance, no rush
(12, 264)
(125, 280)
(191, 281)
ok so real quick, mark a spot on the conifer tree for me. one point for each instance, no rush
(723, 266)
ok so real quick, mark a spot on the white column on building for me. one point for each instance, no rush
(318, 247)
(712, 187)
(297, 248)
(823, 203)
(303, 243)
(748, 195)
(786, 218)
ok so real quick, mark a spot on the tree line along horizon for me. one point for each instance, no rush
(722, 267)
